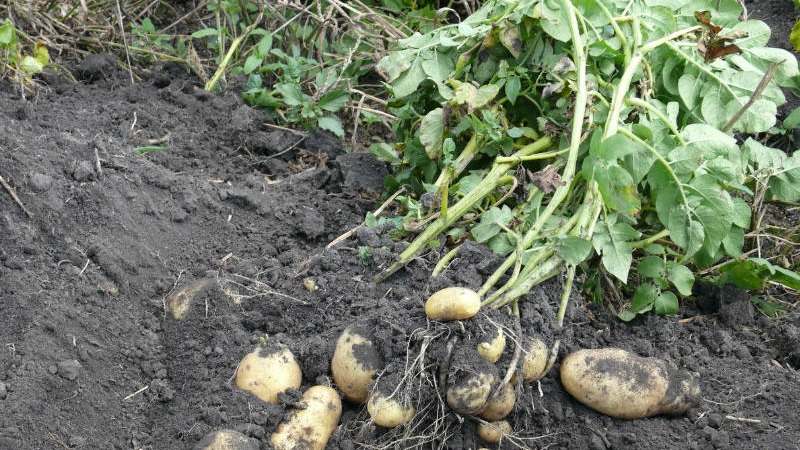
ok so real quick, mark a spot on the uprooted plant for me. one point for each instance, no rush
(557, 130)
(595, 136)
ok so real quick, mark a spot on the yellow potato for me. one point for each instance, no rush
(388, 411)
(621, 384)
(491, 347)
(312, 427)
(266, 372)
(500, 404)
(491, 433)
(355, 363)
(226, 440)
(534, 360)
(453, 303)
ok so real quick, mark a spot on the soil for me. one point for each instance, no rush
(230, 221)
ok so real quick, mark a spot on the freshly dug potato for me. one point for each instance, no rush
(621, 384)
(453, 303)
(492, 345)
(226, 440)
(267, 371)
(310, 428)
(500, 404)
(470, 381)
(178, 302)
(491, 433)
(389, 412)
(355, 363)
(534, 360)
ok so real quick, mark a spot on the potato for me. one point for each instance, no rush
(621, 384)
(178, 302)
(267, 371)
(492, 345)
(453, 303)
(491, 433)
(389, 412)
(226, 440)
(355, 363)
(500, 404)
(534, 360)
(469, 381)
(310, 428)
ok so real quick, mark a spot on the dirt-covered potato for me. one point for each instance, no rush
(499, 404)
(267, 371)
(355, 363)
(470, 381)
(533, 365)
(621, 384)
(179, 301)
(311, 427)
(492, 344)
(453, 303)
(491, 433)
(226, 440)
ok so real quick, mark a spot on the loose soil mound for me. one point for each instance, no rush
(237, 215)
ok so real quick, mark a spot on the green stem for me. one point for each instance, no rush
(648, 241)
(634, 101)
(562, 307)
(212, 83)
(489, 183)
(442, 264)
(562, 191)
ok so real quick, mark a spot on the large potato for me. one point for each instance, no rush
(621, 384)
(268, 371)
(310, 428)
(453, 303)
(355, 363)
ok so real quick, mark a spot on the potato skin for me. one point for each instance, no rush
(388, 412)
(491, 347)
(355, 363)
(470, 381)
(499, 405)
(266, 372)
(453, 303)
(491, 433)
(312, 427)
(534, 360)
(621, 384)
(226, 440)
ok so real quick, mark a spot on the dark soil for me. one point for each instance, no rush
(236, 216)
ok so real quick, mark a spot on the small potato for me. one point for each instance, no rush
(387, 411)
(621, 384)
(469, 381)
(534, 360)
(491, 433)
(355, 363)
(491, 347)
(178, 302)
(310, 428)
(500, 404)
(226, 440)
(453, 303)
(268, 371)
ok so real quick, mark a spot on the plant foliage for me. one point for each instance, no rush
(564, 132)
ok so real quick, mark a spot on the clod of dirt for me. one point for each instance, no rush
(325, 142)
(94, 68)
(362, 171)
(69, 369)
